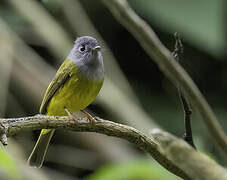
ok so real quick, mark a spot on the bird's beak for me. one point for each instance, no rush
(96, 48)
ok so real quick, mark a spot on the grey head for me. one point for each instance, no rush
(86, 54)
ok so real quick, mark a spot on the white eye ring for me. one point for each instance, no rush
(82, 48)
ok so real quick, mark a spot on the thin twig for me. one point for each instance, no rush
(177, 53)
(167, 64)
(187, 121)
(178, 47)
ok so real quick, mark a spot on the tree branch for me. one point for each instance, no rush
(164, 59)
(171, 152)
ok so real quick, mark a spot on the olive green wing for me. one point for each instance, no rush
(63, 74)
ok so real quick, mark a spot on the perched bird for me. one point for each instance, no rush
(75, 85)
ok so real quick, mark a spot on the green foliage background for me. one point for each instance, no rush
(28, 64)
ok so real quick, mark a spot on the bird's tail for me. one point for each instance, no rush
(39, 151)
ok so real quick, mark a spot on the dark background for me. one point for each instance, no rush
(202, 26)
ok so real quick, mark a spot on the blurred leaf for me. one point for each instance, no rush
(52, 5)
(8, 166)
(135, 170)
(201, 22)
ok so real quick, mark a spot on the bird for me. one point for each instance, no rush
(75, 85)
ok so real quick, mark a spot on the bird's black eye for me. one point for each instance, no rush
(82, 48)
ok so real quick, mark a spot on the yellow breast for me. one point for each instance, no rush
(76, 94)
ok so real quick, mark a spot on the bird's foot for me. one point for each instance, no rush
(67, 111)
(90, 118)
